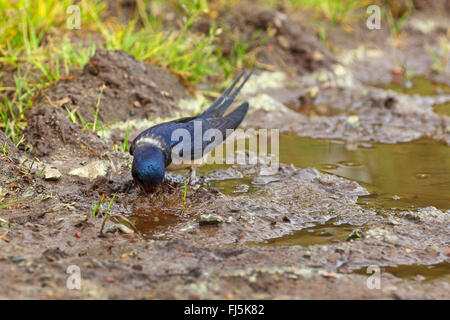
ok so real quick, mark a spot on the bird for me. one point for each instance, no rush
(153, 149)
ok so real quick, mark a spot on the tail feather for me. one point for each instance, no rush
(221, 104)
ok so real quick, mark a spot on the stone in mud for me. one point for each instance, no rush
(267, 103)
(382, 234)
(92, 170)
(119, 227)
(52, 174)
(307, 174)
(258, 181)
(210, 219)
(356, 234)
(18, 259)
(227, 174)
(242, 188)
(353, 121)
(341, 186)
(123, 228)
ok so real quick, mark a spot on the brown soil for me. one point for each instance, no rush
(292, 48)
(11, 149)
(49, 130)
(133, 89)
(173, 256)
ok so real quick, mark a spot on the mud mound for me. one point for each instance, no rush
(293, 46)
(49, 131)
(133, 89)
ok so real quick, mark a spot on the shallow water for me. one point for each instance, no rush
(442, 108)
(398, 176)
(416, 174)
(416, 85)
(326, 233)
(414, 272)
(403, 175)
(153, 220)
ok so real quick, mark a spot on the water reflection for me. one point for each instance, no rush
(412, 174)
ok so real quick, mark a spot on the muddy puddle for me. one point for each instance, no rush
(319, 234)
(157, 216)
(442, 108)
(404, 175)
(420, 85)
(416, 85)
(398, 176)
(425, 273)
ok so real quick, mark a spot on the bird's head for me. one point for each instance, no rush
(148, 168)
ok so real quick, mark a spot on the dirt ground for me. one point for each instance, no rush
(52, 182)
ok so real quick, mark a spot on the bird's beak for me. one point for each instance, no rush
(137, 184)
(151, 189)
(146, 190)
(139, 187)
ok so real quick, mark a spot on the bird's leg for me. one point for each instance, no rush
(192, 175)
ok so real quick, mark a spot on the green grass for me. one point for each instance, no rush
(4, 149)
(30, 50)
(396, 24)
(189, 55)
(38, 49)
(97, 205)
(333, 11)
(3, 221)
(97, 126)
(440, 64)
(110, 204)
(184, 195)
(437, 65)
(124, 147)
(330, 13)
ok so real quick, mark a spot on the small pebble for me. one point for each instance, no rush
(210, 219)
(52, 174)
(17, 259)
(124, 228)
(292, 277)
(356, 234)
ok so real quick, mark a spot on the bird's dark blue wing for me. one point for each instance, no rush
(222, 126)
(163, 130)
(230, 121)
(212, 117)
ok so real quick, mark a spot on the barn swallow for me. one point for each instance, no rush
(153, 150)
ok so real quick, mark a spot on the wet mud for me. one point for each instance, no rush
(363, 181)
